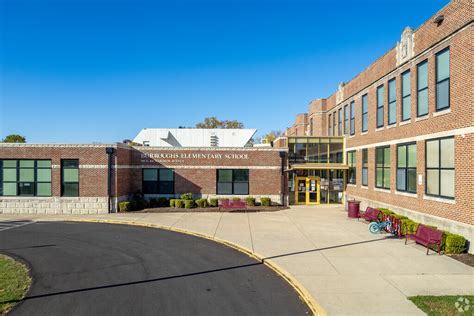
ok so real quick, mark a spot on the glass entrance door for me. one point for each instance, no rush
(307, 190)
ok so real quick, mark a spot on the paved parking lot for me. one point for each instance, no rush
(334, 258)
(4, 225)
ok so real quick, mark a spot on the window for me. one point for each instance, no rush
(329, 125)
(334, 124)
(365, 113)
(233, 181)
(352, 126)
(380, 92)
(406, 96)
(365, 167)
(346, 120)
(311, 127)
(440, 167)
(422, 88)
(351, 162)
(25, 177)
(339, 122)
(442, 80)
(392, 101)
(382, 167)
(69, 177)
(158, 181)
(406, 167)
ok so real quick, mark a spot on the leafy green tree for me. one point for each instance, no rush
(213, 122)
(13, 138)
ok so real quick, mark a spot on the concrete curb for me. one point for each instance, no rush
(305, 296)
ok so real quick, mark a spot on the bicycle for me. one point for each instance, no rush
(377, 227)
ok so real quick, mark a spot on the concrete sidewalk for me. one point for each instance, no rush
(346, 270)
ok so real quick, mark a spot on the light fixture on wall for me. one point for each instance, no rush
(439, 20)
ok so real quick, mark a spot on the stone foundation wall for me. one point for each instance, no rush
(53, 205)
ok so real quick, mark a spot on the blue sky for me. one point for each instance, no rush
(100, 70)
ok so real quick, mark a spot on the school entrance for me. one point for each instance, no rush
(308, 190)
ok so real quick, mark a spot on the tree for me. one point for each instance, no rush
(271, 136)
(213, 122)
(13, 138)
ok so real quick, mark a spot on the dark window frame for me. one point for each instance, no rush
(382, 106)
(391, 103)
(365, 114)
(158, 181)
(448, 79)
(339, 122)
(233, 182)
(334, 123)
(418, 90)
(404, 96)
(383, 166)
(352, 118)
(346, 119)
(439, 168)
(406, 168)
(365, 165)
(329, 125)
(18, 182)
(78, 177)
(352, 167)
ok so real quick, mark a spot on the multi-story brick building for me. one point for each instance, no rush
(407, 124)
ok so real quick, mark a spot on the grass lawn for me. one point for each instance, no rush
(444, 305)
(14, 282)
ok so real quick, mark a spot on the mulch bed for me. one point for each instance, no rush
(248, 209)
(465, 258)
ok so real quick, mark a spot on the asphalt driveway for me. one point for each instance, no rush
(104, 269)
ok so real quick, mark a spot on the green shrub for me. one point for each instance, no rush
(162, 202)
(250, 201)
(179, 203)
(235, 199)
(188, 203)
(408, 226)
(172, 202)
(201, 202)
(187, 196)
(153, 202)
(224, 199)
(125, 206)
(138, 204)
(266, 201)
(454, 244)
(213, 202)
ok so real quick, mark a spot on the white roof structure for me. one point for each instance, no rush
(194, 137)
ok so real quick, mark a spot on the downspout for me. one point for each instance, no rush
(282, 179)
(110, 152)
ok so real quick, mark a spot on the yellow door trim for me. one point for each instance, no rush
(307, 182)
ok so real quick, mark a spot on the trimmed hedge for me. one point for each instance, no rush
(172, 202)
(213, 202)
(188, 203)
(453, 244)
(250, 201)
(162, 202)
(153, 202)
(187, 196)
(201, 202)
(450, 243)
(179, 203)
(266, 201)
(125, 206)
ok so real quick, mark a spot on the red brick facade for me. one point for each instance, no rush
(195, 171)
(454, 33)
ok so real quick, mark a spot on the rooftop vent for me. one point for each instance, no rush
(214, 141)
